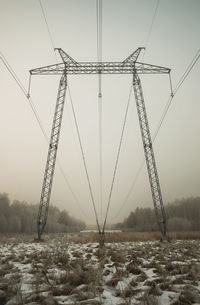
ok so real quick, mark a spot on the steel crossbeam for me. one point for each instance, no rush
(100, 68)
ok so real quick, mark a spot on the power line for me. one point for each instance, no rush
(71, 190)
(167, 106)
(117, 160)
(48, 28)
(53, 46)
(20, 85)
(27, 95)
(84, 160)
(150, 28)
(152, 23)
(99, 29)
(179, 84)
(142, 164)
(99, 59)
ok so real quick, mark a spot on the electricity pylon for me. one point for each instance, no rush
(129, 66)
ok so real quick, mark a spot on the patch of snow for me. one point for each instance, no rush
(167, 297)
(109, 298)
(149, 273)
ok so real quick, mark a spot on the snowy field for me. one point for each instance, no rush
(60, 272)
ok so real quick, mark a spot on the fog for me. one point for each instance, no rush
(26, 45)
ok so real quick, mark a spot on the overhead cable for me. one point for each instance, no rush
(99, 60)
(179, 84)
(21, 86)
(84, 160)
(99, 55)
(150, 28)
(166, 108)
(48, 28)
(53, 46)
(27, 95)
(117, 160)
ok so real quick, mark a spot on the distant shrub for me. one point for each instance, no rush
(20, 217)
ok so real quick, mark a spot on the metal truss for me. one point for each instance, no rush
(51, 158)
(149, 155)
(129, 66)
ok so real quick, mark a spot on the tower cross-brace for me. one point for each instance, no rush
(129, 66)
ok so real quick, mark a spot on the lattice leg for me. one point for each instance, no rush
(51, 158)
(149, 155)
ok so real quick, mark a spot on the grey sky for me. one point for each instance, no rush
(173, 42)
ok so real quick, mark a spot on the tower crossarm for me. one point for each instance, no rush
(57, 69)
(100, 68)
(143, 68)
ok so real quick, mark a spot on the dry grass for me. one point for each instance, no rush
(132, 268)
(116, 256)
(188, 296)
(131, 237)
(190, 235)
(95, 237)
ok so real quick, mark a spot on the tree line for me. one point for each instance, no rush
(182, 215)
(20, 217)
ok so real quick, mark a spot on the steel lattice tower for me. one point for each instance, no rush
(129, 66)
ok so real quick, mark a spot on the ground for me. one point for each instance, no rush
(63, 270)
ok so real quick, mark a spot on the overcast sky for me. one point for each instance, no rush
(26, 44)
